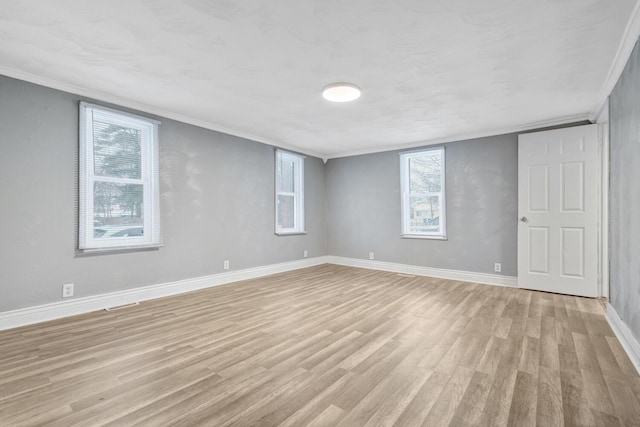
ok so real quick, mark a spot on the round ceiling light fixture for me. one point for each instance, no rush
(341, 92)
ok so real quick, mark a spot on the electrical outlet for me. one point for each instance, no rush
(226, 264)
(67, 290)
(371, 256)
(497, 267)
(305, 253)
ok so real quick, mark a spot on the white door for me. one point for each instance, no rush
(558, 211)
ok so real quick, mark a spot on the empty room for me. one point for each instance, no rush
(319, 213)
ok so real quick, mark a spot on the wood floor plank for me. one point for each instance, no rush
(472, 403)
(530, 359)
(597, 392)
(186, 399)
(550, 410)
(328, 418)
(405, 377)
(444, 409)
(549, 357)
(587, 359)
(285, 401)
(416, 412)
(623, 360)
(605, 357)
(499, 400)
(312, 412)
(625, 402)
(394, 405)
(575, 405)
(522, 411)
(324, 346)
(568, 356)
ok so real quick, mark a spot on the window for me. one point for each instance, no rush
(119, 197)
(423, 200)
(289, 193)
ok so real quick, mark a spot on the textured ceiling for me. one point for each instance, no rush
(429, 70)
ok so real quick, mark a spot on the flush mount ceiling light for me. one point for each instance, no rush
(341, 92)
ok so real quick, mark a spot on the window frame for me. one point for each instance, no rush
(298, 193)
(406, 195)
(89, 113)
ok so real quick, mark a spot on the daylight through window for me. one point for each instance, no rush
(119, 202)
(289, 193)
(423, 200)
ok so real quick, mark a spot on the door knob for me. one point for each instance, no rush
(524, 219)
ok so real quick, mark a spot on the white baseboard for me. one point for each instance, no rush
(72, 307)
(625, 336)
(466, 276)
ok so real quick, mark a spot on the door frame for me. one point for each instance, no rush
(602, 119)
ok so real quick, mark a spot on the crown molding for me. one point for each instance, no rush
(145, 108)
(462, 137)
(627, 43)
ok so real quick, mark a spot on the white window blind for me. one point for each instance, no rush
(289, 193)
(423, 193)
(119, 194)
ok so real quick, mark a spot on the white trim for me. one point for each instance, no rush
(463, 137)
(466, 276)
(625, 336)
(406, 194)
(603, 235)
(297, 194)
(89, 114)
(291, 233)
(71, 307)
(145, 108)
(602, 114)
(627, 43)
(116, 115)
(423, 236)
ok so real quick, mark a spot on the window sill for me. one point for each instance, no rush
(290, 233)
(422, 236)
(118, 249)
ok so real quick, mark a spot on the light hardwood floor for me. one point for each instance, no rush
(325, 346)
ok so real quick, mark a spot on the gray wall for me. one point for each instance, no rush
(363, 212)
(217, 203)
(624, 195)
(216, 198)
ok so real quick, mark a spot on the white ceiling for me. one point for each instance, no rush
(430, 70)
